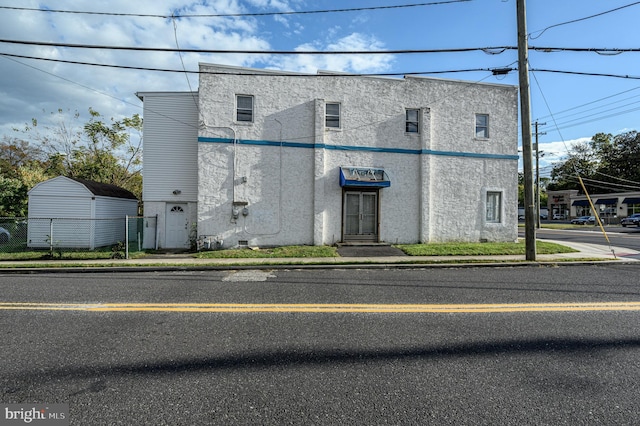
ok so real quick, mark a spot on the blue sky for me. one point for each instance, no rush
(574, 107)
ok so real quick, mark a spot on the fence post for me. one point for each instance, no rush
(51, 237)
(157, 232)
(126, 236)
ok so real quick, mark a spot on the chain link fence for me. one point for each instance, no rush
(117, 236)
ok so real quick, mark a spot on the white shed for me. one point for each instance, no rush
(78, 213)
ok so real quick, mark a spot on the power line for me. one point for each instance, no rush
(274, 74)
(612, 185)
(594, 102)
(494, 50)
(488, 50)
(591, 74)
(495, 71)
(618, 178)
(235, 15)
(585, 119)
(579, 19)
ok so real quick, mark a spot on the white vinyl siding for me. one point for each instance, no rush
(170, 151)
(76, 217)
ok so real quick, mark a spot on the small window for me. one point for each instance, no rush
(494, 207)
(482, 126)
(244, 108)
(412, 122)
(332, 115)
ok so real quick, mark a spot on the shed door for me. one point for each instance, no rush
(360, 220)
(177, 226)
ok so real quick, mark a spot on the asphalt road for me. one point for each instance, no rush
(575, 364)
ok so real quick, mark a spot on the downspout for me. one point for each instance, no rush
(235, 159)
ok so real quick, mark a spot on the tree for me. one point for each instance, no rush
(606, 164)
(108, 151)
(621, 160)
(15, 153)
(544, 182)
(13, 197)
(581, 161)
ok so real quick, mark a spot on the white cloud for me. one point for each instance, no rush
(552, 153)
(29, 87)
(339, 63)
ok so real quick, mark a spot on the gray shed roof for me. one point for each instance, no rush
(106, 189)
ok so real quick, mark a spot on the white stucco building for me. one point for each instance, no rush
(266, 158)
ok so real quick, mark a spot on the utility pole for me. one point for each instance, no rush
(538, 173)
(525, 116)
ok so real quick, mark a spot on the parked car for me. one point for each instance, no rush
(544, 216)
(5, 236)
(584, 220)
(634, 219)
(558, 217)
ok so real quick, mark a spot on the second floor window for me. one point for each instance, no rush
(482, 126)
(244, 108)
(412, 121)
(332, 115)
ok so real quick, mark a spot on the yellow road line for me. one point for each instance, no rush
(330, 308)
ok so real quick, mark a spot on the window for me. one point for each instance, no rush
(494, 207)
(412, 122)
(244, 108)
(332, 115)
(482, 126)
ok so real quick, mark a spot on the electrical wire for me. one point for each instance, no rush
(594, 102)
(591, 74)
(620, 179)
(257, 52)
(579, 20)
(273, 74)
(184, 68)
(235, 15)
(491, 50)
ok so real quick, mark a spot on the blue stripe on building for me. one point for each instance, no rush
(358, 148)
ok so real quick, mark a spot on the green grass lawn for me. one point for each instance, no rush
(437, 249)
(287, 251)
(62, 255)
(480, 249)
(434, 249)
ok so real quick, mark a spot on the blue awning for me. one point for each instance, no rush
(607, 201)
(581, 203)
(631, 200)
(364, 176)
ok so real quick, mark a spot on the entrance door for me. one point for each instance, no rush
(360, 221)
(176, 227)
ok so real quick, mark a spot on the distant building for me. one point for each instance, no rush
(608, 206)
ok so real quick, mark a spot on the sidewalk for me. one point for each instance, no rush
(587, 253)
